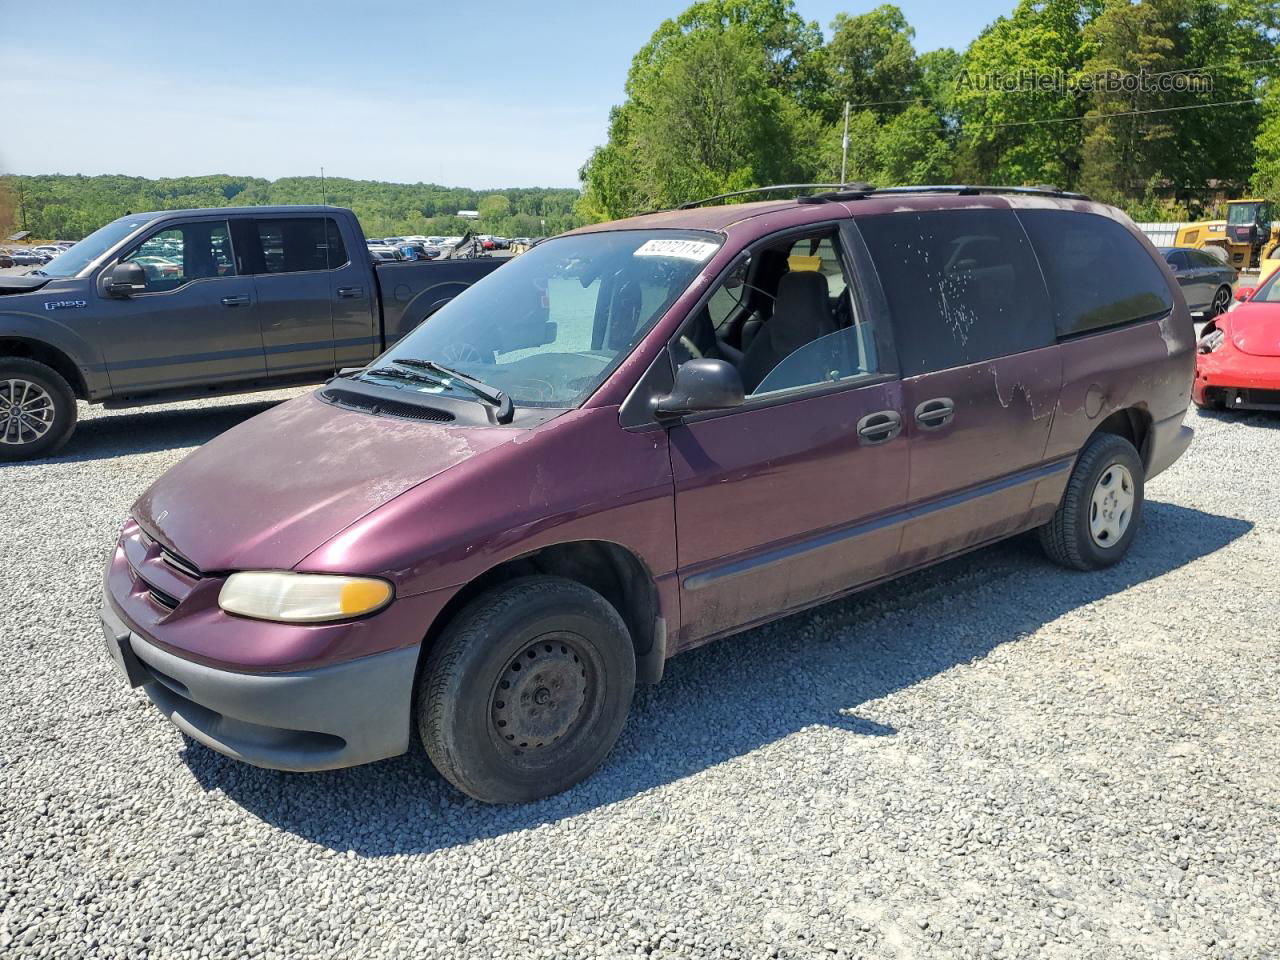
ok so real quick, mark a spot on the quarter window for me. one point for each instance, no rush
(186, 252)
(299, 244)
(962, 285)
(1098, 274)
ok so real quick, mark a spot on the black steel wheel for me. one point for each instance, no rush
(527, 690)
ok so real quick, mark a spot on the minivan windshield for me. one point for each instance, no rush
(92, 247)
(547, 328)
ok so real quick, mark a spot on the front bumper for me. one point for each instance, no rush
(322, 718)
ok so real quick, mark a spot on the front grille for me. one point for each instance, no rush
(181, 564)
(162, 598)
(350, 400)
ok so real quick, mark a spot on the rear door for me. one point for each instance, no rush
(315, 304)
(194, 324)
(981, 371)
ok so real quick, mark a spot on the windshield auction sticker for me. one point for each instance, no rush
(695, 250)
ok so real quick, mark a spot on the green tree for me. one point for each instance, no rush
(1266, 172)
(871, 63)
(1023, 136)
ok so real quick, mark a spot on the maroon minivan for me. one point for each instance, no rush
(638, 437)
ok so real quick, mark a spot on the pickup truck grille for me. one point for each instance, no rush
(378, 406)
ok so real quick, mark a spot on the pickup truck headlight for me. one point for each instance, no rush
(302, 597)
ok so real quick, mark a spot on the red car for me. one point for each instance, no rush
(1238, 365)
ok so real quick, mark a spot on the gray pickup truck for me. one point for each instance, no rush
(182, 304)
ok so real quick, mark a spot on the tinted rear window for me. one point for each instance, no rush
(297, 245)
(1098, 274)
(963, 286)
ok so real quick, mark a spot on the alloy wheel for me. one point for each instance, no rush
(26, 412)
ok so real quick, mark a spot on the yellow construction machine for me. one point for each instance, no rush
(1244, 237)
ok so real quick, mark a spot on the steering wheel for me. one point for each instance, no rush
(462, 352)
(689, 345)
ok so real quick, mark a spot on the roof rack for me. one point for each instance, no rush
(836, 192)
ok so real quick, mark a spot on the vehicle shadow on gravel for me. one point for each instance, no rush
(150, 431)
(728, 698)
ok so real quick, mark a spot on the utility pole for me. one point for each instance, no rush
(324, 198)
(844, 147)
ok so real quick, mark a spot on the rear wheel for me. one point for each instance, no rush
(37, 409)
(1098, 518)
(527, 690)
(1221, 300)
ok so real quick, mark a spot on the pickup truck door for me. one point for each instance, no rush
(193, 325)
(315, 298)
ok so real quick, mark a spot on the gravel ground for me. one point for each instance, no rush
(995, 758)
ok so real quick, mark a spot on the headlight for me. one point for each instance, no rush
(1211, 341)
(302, 597)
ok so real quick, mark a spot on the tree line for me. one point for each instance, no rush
(69, 207)
(1155, 105)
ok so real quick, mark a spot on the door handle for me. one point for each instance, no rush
(879, 427)
(351, 292)
(936, 413)
(234, 301)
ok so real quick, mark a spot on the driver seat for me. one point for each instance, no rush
(801, 314)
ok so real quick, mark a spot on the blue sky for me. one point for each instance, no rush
(500, 93)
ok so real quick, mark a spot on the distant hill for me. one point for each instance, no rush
(59, 206)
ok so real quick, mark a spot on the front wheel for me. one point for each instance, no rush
(1097, 520)
(37, 409)
(527, 690)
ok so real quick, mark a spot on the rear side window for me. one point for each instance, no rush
(299, 244)
(1098, 274)
(963, 286)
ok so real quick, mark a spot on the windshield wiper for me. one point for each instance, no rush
(491, 395)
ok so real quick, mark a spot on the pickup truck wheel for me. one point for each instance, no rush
(1098, 518)
(526, 691)
(37, 409)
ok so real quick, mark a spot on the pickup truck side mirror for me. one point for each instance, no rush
(1244, 293)
(702, 384)
(125, 279)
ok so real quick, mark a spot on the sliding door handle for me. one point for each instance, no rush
(935, 414)
(879, 427)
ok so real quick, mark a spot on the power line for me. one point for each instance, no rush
(1127, 113)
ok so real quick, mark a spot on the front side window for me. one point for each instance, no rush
(299, 244)
(1098, 274)
(962, 285)
(185, 252)
(552, 324)
(785, 319)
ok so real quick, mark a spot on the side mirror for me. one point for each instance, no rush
(1244, 293)
(125, 279)
(702, 384)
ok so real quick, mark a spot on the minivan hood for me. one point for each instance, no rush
(268, 492)
(21, 283)
(1255, 329)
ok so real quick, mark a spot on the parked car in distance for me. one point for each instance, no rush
(26, 257)
(193, 303)
(6, 259)
(633, 439)
(385, 252)
(1238, 365)
(1204, 279)
(418, 251)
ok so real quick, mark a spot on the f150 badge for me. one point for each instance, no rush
(65, 304)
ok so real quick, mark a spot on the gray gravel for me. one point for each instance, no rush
(995, 758)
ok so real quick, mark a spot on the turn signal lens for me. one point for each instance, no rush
(302, 597)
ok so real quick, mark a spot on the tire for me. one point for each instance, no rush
(1221, 300)
(1071, 538)
(47, 403)
(527, 690)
